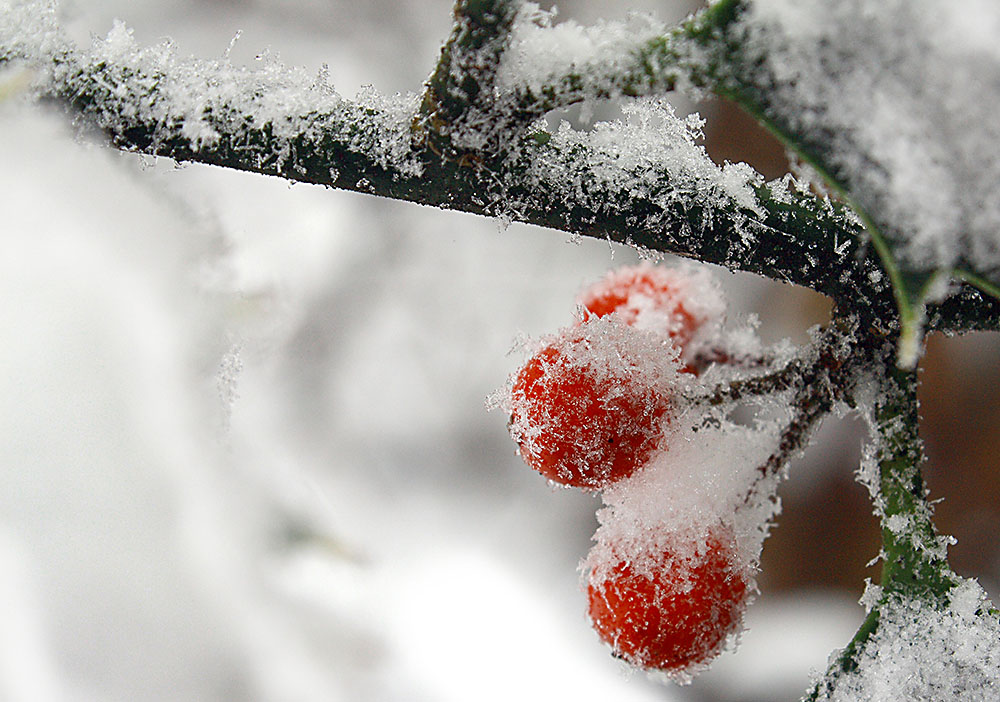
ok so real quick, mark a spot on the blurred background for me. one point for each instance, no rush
(246, 454)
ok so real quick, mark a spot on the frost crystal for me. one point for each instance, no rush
(272, 109)
(652, 156)
(29, 29)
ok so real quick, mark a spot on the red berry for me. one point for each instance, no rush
(587, 409)
(673, 612)
(673, 301)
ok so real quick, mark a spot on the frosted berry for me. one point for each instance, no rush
(673, 301)
(673, 612)
(587, 409)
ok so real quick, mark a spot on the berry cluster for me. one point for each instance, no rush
(592, 408)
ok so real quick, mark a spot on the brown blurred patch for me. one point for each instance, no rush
(960, 410)
(824, 538)
(733, 135)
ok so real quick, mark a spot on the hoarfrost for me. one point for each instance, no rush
(903, 98)
(30, 28)
(871, 596)
(922, 652)
(909, 525)
(391, 142)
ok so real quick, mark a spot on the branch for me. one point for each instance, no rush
(460, 101)
(966, 308)
(614, 59)
(645, 182)
(823, 376)
(915, 567)
(859, 108)
(504, 66)
(709, 52)
(664, 194)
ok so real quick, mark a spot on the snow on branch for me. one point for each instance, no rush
(507, 64)
(894, 103)
(645, 180)
(549, 66)
(898, 100)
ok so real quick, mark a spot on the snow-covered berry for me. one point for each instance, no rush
(671, 610)
(587, 409)
(676, 301)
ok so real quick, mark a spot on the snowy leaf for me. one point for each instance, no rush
(895, 104)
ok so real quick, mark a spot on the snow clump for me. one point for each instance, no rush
(923, 652)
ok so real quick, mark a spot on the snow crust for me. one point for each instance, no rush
(904, 95)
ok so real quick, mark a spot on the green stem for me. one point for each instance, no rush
(908, 290)
(988, 287)
(915, 565)
(915, 555)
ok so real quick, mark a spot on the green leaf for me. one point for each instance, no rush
(821, 96)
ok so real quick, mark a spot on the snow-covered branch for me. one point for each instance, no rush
(645, 181)
(459, 105)
(927, 629)
(894, 104)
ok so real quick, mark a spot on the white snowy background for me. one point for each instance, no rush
(245, 449)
